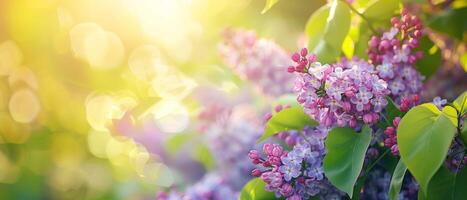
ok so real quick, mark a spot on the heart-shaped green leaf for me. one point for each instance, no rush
(345, 155)
(287, 119)
(424, 136)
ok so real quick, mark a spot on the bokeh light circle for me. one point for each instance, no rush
(171, 116)
(24, 106)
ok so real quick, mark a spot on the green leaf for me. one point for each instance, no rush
(254, 190)
(446, 185)
(424, 136)
(315, 26)
(431, 60)
(461, 103)
(451, 22)
(326, 30)
(396, 180)
(287, 119)
(338, 24)
(269, 4)
(361, 45)
(392, 110)
(381, 10)
(345, 155)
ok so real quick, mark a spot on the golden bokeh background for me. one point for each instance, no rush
(73, 71)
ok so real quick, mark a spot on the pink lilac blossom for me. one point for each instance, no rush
(394, 56)
(340, 94)
(297, 174)
(257, 60)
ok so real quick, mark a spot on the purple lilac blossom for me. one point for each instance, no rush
(257, 60)
(343, 93)
(297, 174)
(394, 56)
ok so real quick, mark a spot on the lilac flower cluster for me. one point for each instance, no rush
(257, 60)
(297, 174)
(227, 139)
(394, 55)
(377, 186)
(340, 94)
(211, 187)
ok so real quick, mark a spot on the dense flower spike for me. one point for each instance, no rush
(257, 60)
(297, 174)
(394, 55)
(340, 94)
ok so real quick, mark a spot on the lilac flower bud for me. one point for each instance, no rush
(256, 173)
(394, 20)
(283, 135)
(368, 118)
(277, 150)
(396, 121)
(267, 148)
(286, 190)
(417, 33)
(290, 141)
(346, 106)
(253, 155)
(304, 52)
(296, 57)
(384, 45)
(349, 93)
(312, 58)
(274, 160)
(390, 131)
(374, 41)
(395, 150)
(278, 108)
